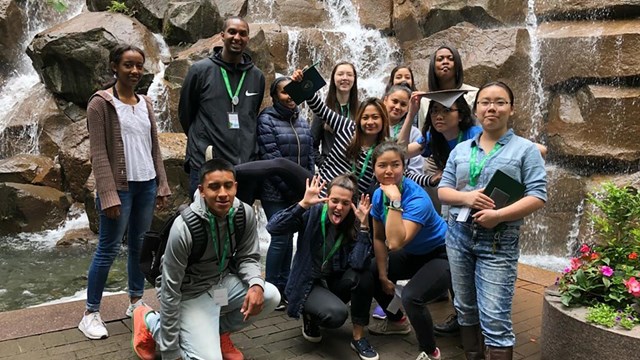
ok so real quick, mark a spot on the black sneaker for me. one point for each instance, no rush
(281, 305)
(364, 349)
(448, 328)
(311, 329)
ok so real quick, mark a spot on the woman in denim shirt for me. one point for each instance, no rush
(483, 253)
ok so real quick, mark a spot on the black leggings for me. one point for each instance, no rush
(429, 276)
(251, 175)
(327, 305)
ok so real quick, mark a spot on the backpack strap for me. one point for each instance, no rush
(240, 223)
(198, 234)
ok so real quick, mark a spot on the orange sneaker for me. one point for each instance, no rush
(229, 351)
(142, 342)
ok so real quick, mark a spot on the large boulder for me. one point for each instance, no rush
(375, 14)
(189, 21)
(72, 58)
(487, 55)
(31, 169)
(12, 30)
(596, 127)
(413, 20)
(585, 9)
(36, 124)
(227, 8)
(148, 12)
(589, 49)
(74, 159)
(292, 13)
(30, 208)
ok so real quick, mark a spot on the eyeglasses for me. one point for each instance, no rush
(443, 111)
(497, 103)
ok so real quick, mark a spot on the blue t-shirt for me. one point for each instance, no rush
(470, 133)
(418, 208)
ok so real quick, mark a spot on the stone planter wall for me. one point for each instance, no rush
(566, 335)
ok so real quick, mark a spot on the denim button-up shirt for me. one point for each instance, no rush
(518, 158)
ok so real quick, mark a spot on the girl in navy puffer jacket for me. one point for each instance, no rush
(282, 133)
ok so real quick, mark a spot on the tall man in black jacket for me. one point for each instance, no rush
(220, 101)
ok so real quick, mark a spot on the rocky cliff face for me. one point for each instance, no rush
(589, 72)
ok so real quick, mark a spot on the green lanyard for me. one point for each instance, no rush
(459, 137)
(348, 112)
(474, 167)
(233, 96)
(385, 201)
(395, 129)
(336, 245)
(214, 235)
(364, 164)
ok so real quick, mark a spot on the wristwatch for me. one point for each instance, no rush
(395, 205)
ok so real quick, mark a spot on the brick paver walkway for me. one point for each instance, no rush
(279, 337)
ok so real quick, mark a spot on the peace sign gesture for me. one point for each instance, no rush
(312, 193)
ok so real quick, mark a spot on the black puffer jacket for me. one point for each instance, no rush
(283, 134)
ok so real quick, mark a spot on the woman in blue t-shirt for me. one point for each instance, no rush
(408, 242)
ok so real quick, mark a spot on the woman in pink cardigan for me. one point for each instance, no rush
(130, 179)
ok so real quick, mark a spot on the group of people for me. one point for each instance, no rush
(364, 218)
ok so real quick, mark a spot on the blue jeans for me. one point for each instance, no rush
(278, 264)
(484, 268)
(202, 320)
(136, 213)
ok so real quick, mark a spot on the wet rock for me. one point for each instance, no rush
(89, 196)
(77, 237)
(595, 127)
(173, 146)
(586, 9)
(292, 13)
(74, 159)
(36, 124)
(553, 230)
(30, 208)
(414, 20)
(487, 55)
(72, 57)
(589, 49)
(31, 169)
(227, 8)
(188, 21)
(375, 14)
(148, 12)
(12, 30)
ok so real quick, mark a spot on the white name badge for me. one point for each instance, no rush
(463, 215)
(220, 297)
(234, 121)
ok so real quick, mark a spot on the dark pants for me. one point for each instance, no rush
(429, 277)
(327, 305)
(251, 175)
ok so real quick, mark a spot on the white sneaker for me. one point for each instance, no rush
(434, 356)
(93, 327)
(133, 306)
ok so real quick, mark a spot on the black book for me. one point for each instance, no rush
(503, 189)
(311, 82)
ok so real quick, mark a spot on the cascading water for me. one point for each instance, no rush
(535, 64)
(158, 92)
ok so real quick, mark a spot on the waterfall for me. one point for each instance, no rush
(158, 91)
(39, 17)
(535, 64)
(572, 238)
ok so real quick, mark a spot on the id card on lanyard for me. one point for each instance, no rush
(233, 119)
(220, 293)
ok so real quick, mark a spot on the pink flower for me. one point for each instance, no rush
(584, 248)
(575, 263)
(606, 271)
(633, 256)
(566, 270)
(633, 286)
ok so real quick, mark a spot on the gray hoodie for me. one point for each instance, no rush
(179, 282)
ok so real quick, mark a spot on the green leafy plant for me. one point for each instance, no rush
(607, 272)
(120, 7)
(58, 5)
(606, 315)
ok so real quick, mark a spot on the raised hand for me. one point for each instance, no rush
(312, 192)
(297, 75)
(363, 209)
